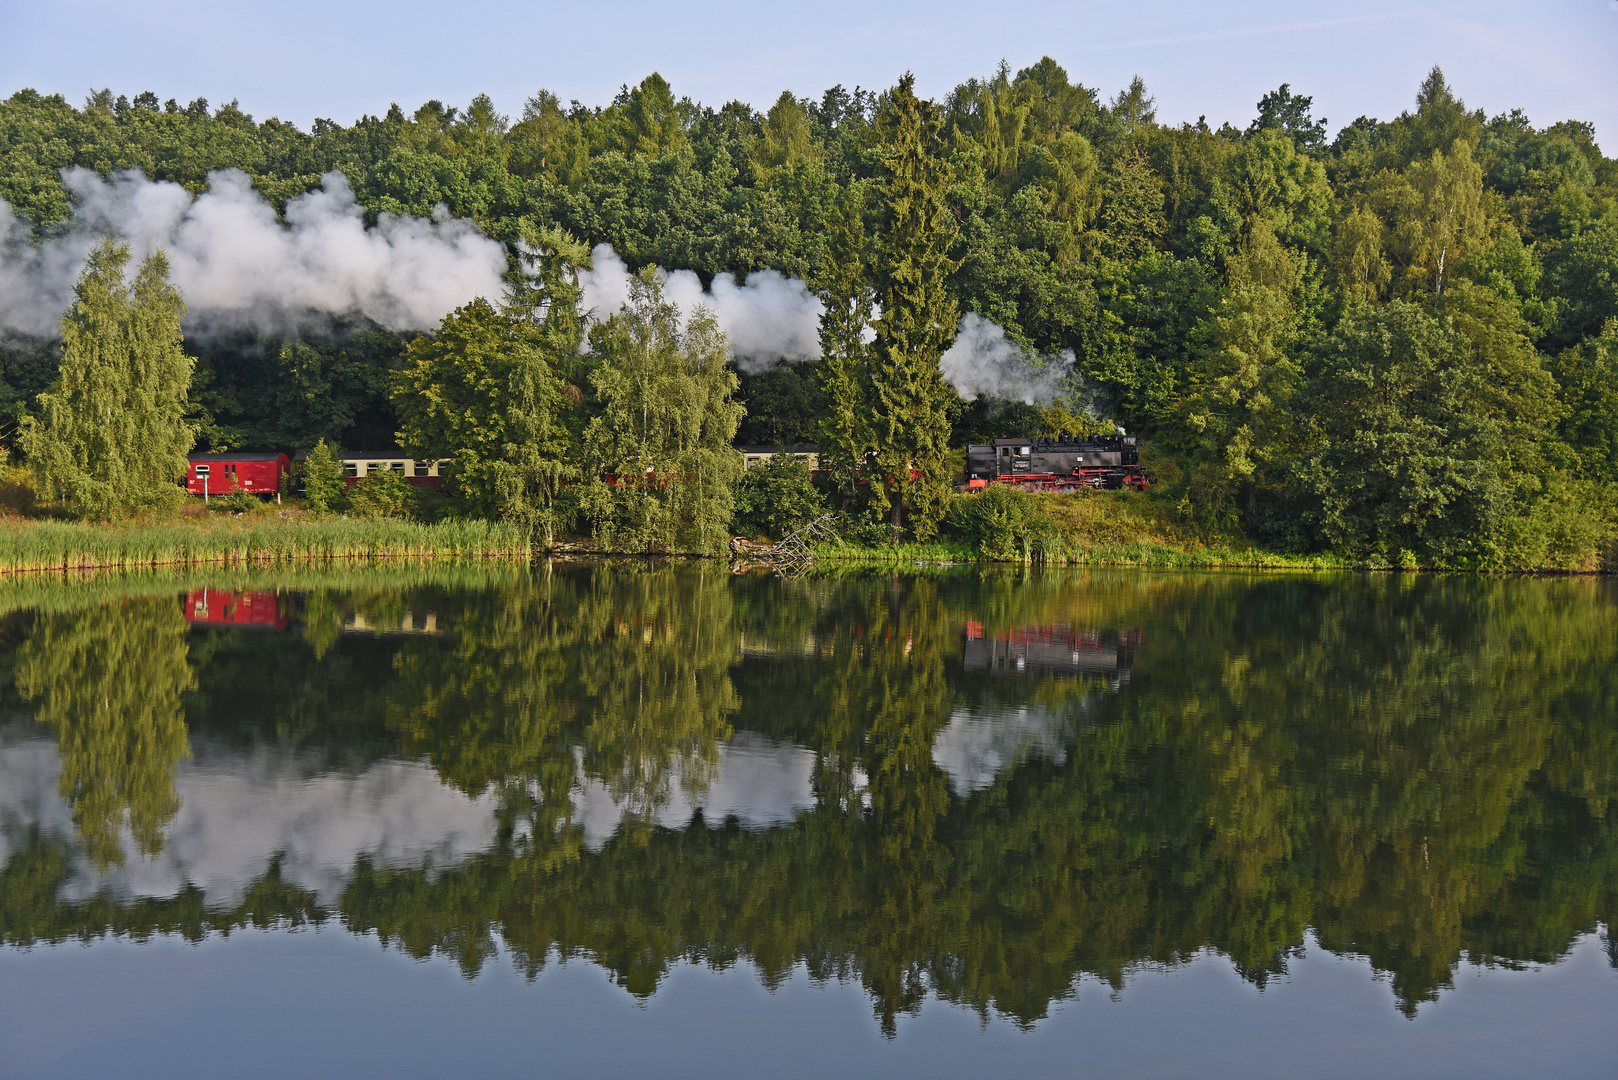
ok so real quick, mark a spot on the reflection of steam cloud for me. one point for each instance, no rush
(238, 266)
(974, 749)
(238, 813)
(760, 782)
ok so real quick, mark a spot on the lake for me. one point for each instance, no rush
(628, 819)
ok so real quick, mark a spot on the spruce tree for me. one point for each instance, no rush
(844, 369)
(911, 402)
(111, 432)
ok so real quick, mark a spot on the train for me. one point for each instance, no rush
(1060, 464)
(270, 473)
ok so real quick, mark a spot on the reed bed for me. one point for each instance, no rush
(55, 546)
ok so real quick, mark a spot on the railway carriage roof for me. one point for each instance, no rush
(265, 456)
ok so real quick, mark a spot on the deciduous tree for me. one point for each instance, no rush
(112, 431)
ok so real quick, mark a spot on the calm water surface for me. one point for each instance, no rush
(632, 820)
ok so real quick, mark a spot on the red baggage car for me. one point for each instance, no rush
(221, 474)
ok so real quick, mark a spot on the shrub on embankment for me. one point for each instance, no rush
(1149, 529)
(1124, 528)
(50, 545)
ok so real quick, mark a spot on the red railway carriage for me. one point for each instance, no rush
(221, 474)
(235, 610)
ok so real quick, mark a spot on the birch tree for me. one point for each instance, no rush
(111, 433)
(659, 452)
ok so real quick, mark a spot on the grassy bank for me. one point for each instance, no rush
(1086, 529)
(249, 541)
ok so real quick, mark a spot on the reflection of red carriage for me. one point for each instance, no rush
(236, 610)
(1053, 649)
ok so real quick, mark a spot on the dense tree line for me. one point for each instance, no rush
(1398, 341)
(1418, 770)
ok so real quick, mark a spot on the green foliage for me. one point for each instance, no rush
(112, 432)
(909, 402)
(847, 438)
(110, 683)
(784, 404)
(1589, 383)
(381, 493)
(776, 498)
(1003, 524)
(1420, 436)
(323, 481)
(238, 502)
(490, 389)
(659, 456)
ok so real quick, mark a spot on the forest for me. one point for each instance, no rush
(1398, 342)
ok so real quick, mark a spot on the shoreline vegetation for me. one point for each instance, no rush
(56, 546)
(1085, 530)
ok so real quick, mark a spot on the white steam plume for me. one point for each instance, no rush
(238, 266)
(768, 318)
(984, 361)
(772, 317)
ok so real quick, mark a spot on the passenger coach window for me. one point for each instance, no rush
(421, 468)
(351, 468)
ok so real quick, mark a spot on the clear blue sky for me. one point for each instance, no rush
(299, 59)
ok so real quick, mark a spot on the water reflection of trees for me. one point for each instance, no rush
(109, 682)
(1420, 769)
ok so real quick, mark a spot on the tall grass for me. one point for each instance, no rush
(50, 545)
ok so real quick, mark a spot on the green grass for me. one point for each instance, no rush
(937, 552)
(250, 541)
(1104, 528)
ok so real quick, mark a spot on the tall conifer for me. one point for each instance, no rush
(844, 368)
(911, 400)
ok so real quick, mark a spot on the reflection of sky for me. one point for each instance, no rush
(327, 1003)
(760, 782)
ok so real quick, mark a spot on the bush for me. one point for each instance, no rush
(777, 498)
(382, 494)
(1003, 524)
(323, 483)
(237, 502)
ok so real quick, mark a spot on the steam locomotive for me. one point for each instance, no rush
(1057, 465)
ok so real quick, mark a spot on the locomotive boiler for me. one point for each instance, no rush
(1056, 465)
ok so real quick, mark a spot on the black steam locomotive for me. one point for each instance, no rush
(1060, 464)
